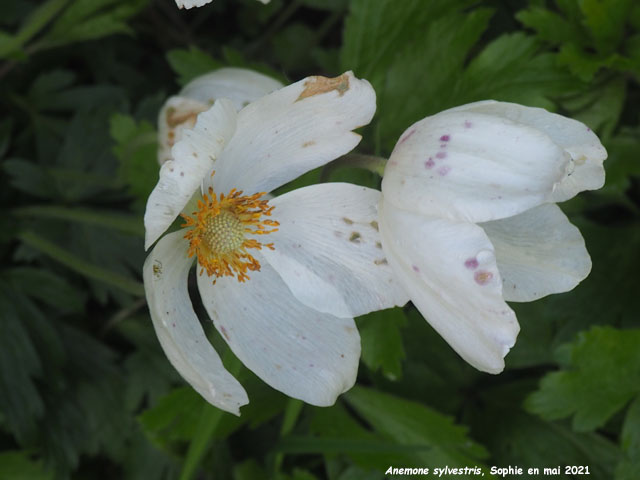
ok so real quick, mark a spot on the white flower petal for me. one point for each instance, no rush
(539, 252)
(301, 352)
(583, 146)
(191, 3)
(472, 166)
(193, 158)
(450, 273)
(200, 3)
(240, 85)
(293, 130)
(177, 114)
(179, 331)
(328, 250)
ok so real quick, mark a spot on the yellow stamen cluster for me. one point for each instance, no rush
(218, 232)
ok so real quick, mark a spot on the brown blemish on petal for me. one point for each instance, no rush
(308, 144)
(378, 245)
(224, 332)
(348, 221)
(374, 224)
(174, 118)
(157, 268)
(319, 85)
(355, 237)
(482, 278)
(382, 261)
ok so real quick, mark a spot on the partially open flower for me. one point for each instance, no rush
(281, 278)
(240, 85)
(468, 218)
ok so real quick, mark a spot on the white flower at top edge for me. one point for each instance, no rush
(240, 85)
(281, 278)
(468, 218)
(199, 3)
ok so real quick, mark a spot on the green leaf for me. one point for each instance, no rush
(623, 162)
(375, 31)
(382, 341)
(91, 19)
(601, 106)
(81, 266)
(608, 296)
(550, 26)
(516, 438)
(605, 19)
(510, 68)
(630, 442)
(189, 64)
(20, 366)
(136, 149)
(174, 418)
(51, 289)
(17, 465)
(410, 423)
(107, 219)
(601, 375)
(33, 24)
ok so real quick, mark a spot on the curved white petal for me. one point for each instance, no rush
(450, 273)
(293, 130)
(191, 3)
(301, 352)
(177, 114)
(193, 159)
(472, 166)
(240, 85)
(539, 252)
(583, 146)
(200, 3)
(179, 331)
(328, 250)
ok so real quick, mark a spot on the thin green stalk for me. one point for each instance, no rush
(80, 266)
(111, 220)
(207, 426)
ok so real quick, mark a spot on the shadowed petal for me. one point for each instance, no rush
(179, 331)
(301, 352)
(450, 273)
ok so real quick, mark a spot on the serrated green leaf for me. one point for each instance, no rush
(510, 68)
(603, 374)
(33, 24)
(410, 423)
(189, 64)
(550, 26)
(605, 19)
(382, 341)
(174, 418)
(516, 438)
(136, 149)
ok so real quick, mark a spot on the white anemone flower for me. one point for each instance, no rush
(285, 306)
(240, 85)
(468, 218)
(199, 3)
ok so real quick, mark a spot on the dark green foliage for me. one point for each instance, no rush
(85, 389)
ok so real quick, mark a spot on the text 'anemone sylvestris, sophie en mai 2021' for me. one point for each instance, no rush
(469, 219)
(281, 278)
